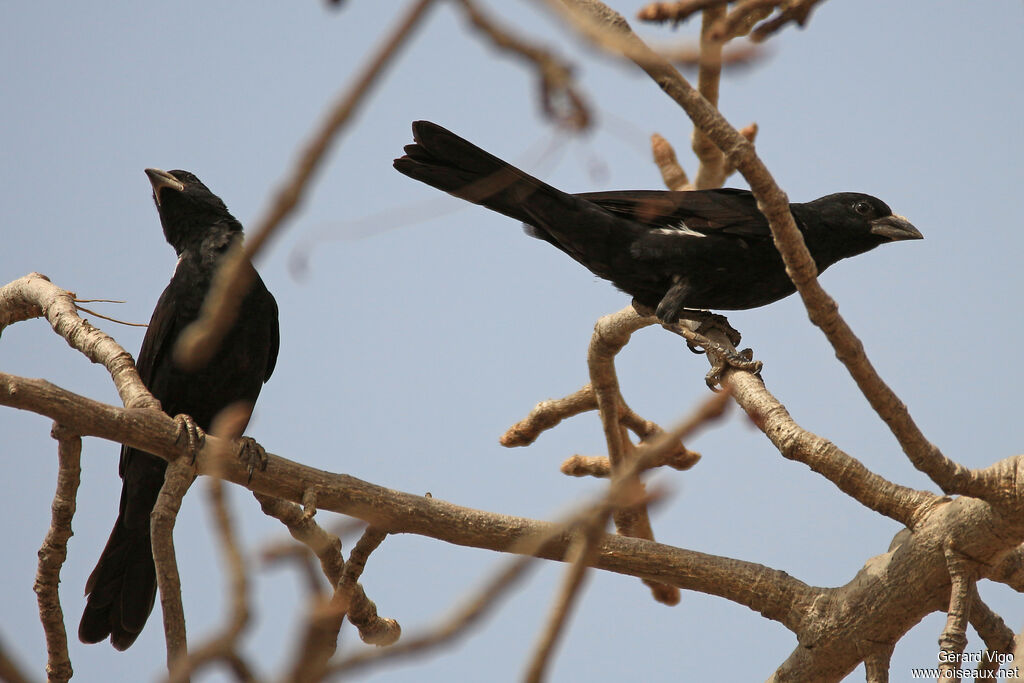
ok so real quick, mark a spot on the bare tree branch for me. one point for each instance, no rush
(177, 480)
(954, 636)
(34, 296)
(559, 97)
(55, 550)
(200, 340)
(611, 334)
(607, 30)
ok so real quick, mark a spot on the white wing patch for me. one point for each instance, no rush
(680, 229)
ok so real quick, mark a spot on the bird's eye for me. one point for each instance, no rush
(862, 207)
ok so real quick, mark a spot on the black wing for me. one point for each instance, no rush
(729, 211)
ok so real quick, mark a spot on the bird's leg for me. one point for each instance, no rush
(191, 433)
(671, 305)
(252, 455)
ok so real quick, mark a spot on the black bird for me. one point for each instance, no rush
(122, 588)
(702, 249)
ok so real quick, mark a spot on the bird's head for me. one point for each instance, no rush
(845, 224)
(189, 212)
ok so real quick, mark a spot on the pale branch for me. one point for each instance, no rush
(55, 550)
(34, 296)
(200, 340)
(903, 504)
(677, 12)
(892, 593)
(325, 546)
(320, 638)
(177, 480)
(560, 100)
(599, 466)
(711, 170)
(399, 512)
(607, 30)
(550, 413)
(611, 334)
(954, 636)
(362, 612)
(672, 172)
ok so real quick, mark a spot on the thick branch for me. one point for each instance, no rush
(770, 592)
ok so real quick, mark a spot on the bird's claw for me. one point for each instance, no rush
(191, 433)
(723, 358)
(252, 455)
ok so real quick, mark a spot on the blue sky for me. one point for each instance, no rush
(409, 346)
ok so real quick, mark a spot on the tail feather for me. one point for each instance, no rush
(122, 588)
(443, 160)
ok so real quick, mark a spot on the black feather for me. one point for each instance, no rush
(705, 249)
(122, 588)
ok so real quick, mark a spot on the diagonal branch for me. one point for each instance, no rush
(611, 334)
(201, 339)
(34, 296)
(560, 99)
(607, 30)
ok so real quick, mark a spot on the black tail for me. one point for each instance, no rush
(443, 160)
(122, 587)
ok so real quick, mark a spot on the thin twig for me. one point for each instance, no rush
(362, 612)
(55, 550)
(560, 99)
(711, 170)
(107, 317)
(200, 340)
(178, 478)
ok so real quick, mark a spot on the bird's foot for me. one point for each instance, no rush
(703, 322)
(723, 358)
(721, 354)
(191, 433)
(252, 455)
